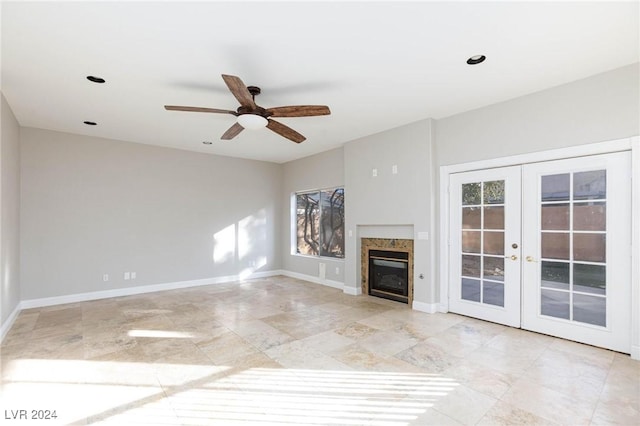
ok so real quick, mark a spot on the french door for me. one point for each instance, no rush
(485, 244)
(546, 247)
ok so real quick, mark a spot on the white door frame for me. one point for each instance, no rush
(628, 144)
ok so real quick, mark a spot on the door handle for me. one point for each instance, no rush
(530, 259)
(513, 257)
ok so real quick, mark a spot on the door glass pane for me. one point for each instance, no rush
(470, 289)
(494, 192)
(493, 242)
(555, 245)
(590, 309)
(483, 225)
(494, 217)
(554, 303)
(471, 266)
(590, 185)
(471, 217)
(589, 217)
(493, 293)
(589, 278)
(584, 223)
(555, 275)
(471, 194)
(494, 268)
(555, 187)
(589, 247)
(471, 241)
(555, 217)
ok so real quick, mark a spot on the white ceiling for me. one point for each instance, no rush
(377, 65)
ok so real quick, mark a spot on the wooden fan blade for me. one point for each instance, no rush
(239, 90)
(299, 111)
(198, 109)
(232, 132)
(285, 131)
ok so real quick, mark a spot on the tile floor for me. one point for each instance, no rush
(285, 352)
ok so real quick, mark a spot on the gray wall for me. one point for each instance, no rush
(9, 212)
(599, 108)
(94, 206)
(390, 205)
(324, 170)
(596, 109)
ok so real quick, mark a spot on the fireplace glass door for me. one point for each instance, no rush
(389, 275)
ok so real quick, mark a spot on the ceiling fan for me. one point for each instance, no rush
(252, 116)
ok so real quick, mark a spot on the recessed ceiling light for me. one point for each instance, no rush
(207, 142)
(95, 79)
(90, 123)
(476, 59)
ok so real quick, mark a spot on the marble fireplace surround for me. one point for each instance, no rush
(389, 244)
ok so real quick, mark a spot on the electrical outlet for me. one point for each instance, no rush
(394, 169)
(133, 275)
(105, 277)
(127, 275)
(374, 172)
(337, 270)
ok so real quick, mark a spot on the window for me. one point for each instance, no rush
(320, 223)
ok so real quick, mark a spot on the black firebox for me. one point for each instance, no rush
(389, 275)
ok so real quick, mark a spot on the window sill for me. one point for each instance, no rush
(306, 256)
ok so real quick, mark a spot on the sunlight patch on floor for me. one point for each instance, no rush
(161, 334)
(163, 393)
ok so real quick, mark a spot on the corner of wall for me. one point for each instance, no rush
(9, 216)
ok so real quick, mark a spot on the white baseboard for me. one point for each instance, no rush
(6, 325)
(635, 352)
(311, 278)
(128, 291)
(430, 308)
(353, 291)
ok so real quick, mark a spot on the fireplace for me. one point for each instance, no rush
(387, 268)
(389, 275)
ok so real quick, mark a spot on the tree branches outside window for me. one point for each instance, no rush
(320, 223)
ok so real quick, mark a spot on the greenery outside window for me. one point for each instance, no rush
(320, 222)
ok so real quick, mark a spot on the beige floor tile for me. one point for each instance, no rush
(464, 404)
(486, 380)
(224, 349)
(355, 330)
(261, 335)
(548, 403)
(283, 351)
(429, 357)
(388, 342)
(433, 417)
(615, 412)
(516, 362)
(503, 414)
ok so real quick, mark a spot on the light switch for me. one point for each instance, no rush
(394, 169)
(374, 172)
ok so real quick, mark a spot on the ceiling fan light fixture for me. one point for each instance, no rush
(252, 121)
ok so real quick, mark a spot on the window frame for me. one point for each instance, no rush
(294, 222)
